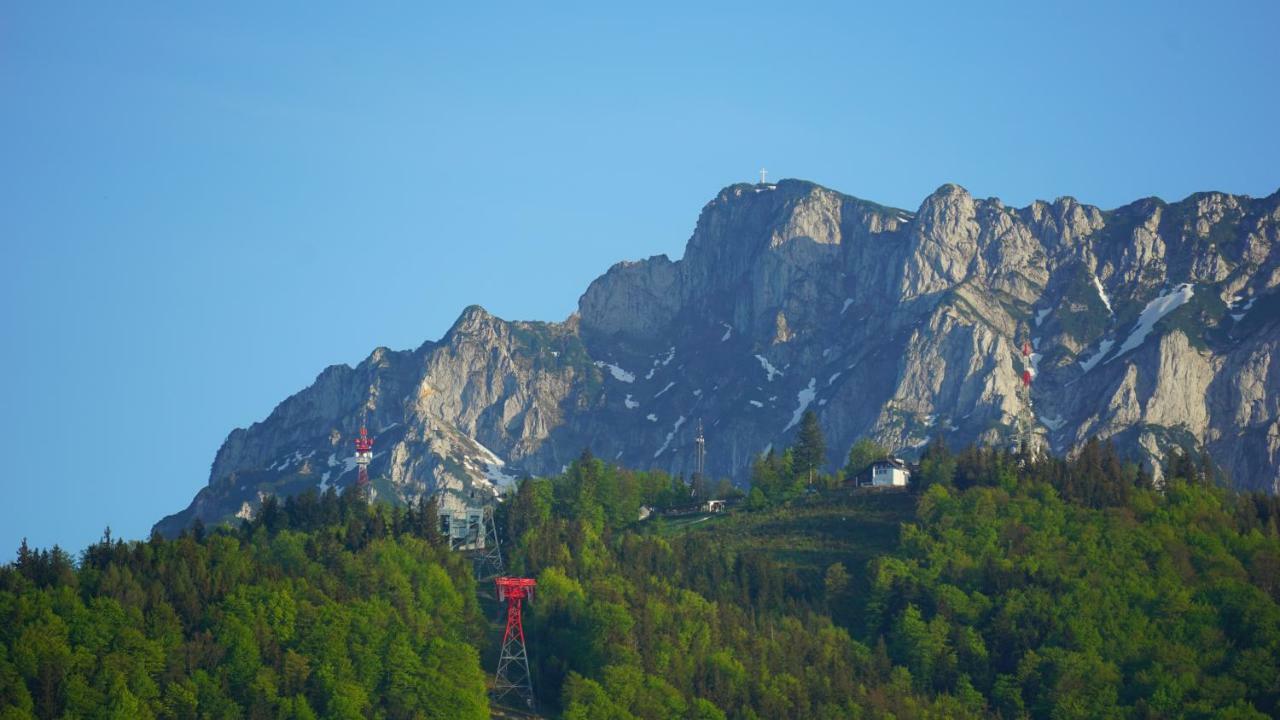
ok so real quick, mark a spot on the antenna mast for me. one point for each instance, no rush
(1026, 417)
(364, 453)
(699, 461)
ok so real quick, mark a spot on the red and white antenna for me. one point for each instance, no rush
(1027, 374)
(1025, 422)
(364, 453)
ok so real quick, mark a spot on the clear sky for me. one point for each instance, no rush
(201, 209)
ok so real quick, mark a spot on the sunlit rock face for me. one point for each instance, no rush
(1155, 324)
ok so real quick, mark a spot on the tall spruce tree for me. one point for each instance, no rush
(811, 447)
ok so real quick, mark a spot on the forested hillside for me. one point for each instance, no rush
(319, 609)
(1000, 586)
(1043, 589)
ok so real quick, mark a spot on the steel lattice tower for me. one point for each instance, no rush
(699, 462)
(1026, 417)
(513, 665)
(488, 562)
(364, 453)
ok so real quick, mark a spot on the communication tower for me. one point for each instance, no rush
(1026, 416)
(699, 462)
(513, 666)
(364, 453)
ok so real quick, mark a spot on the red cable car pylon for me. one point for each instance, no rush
(513, 666)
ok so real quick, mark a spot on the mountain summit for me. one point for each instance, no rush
(1154, 324)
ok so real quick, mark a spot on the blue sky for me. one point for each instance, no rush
(201, 209)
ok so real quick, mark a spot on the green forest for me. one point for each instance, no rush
(1001, 585)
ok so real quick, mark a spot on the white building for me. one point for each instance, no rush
(464, 527)
(890, 472)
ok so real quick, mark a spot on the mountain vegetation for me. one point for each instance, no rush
(1001, 585)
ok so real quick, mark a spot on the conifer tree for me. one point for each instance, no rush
(811, 446)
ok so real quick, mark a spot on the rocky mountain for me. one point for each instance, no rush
(1155, 324)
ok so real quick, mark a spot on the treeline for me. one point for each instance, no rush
(321, 607)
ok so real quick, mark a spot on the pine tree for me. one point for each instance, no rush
(811, 447)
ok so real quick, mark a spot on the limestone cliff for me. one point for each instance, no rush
(1154, 323)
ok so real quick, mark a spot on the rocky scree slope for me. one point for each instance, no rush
(1154, 324)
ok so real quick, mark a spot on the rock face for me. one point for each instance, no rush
(1154, 324)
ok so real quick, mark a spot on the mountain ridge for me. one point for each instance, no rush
(889, 323)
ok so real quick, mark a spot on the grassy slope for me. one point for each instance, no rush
(812, 532)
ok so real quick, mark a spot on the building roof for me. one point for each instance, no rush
(891, 462)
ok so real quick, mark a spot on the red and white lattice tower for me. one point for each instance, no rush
(364, 453)
(1026, 416)
(513, 666)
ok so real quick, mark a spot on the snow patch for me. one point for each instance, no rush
(1041, 315)
(651, 417)
(348, 464)
(674, 429)
(1244, 309)
(697, 393)
(1054, 423)
(728, 331)
(288, 460)
(1033, 361)
(804, 397)
(494, 468)
(1103, 348)
(324, 482)
(847, 303)
(1102, 293)
(668, 387)
(832, 379)
(757, 403)
(618, 373)
(768, 367)
(631, 404)
(1152, 314)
